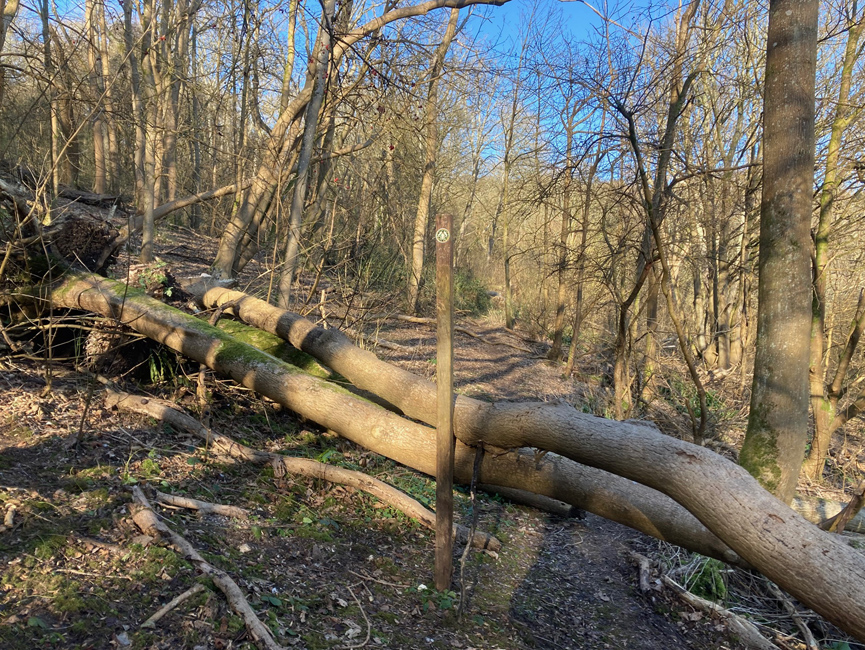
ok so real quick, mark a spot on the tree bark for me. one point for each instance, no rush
(97, 83)
(298, 200)
(777, 431)
(825, 396)
(8, 11)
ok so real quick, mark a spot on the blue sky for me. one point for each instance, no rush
(503, 23)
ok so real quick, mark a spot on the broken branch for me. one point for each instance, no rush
(741, 627)
(202, 506)
(149, 523)
(168, 412)
(171, 604)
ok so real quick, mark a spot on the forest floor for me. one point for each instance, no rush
(324, 566)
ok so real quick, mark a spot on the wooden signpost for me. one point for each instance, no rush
(445, 418)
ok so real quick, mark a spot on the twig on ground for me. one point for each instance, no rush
(107, 546)
(746, 631)
(171, 604)
(202, 506)
(368, 624)
(386, 493)
(92, 575)
(643, 565)
(145, 518)
(381, 582)
(807, 636)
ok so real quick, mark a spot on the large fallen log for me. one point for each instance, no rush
(821, 571)
(384, 432)
(818, 569)
(405, 391)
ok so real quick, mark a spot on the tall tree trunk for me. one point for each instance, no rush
(421, 221)
(555, 352)
(653, 199)
(777, 431)
(8, 11)
(824, 398)
(570, 122)
(290, 50)
(298, 199)
(137, 103)
(51, 92)
(195, 108)
(110, 125)
(151, 84)
(506, 258)
(97, 88)
(176, 61)
(70, 152)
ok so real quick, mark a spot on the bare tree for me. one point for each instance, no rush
(825, 393)
(431, 143)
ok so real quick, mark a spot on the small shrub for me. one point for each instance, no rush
(709, 581)
(470, 294)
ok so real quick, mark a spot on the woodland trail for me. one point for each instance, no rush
(313, 547)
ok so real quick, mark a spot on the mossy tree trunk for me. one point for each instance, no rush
(774, 446)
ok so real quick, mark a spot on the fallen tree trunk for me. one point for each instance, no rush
(821, 571)
(382, 431)
(404, 391)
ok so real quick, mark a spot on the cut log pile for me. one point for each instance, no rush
(625, 471)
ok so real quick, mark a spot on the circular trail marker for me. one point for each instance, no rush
(442, 235)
